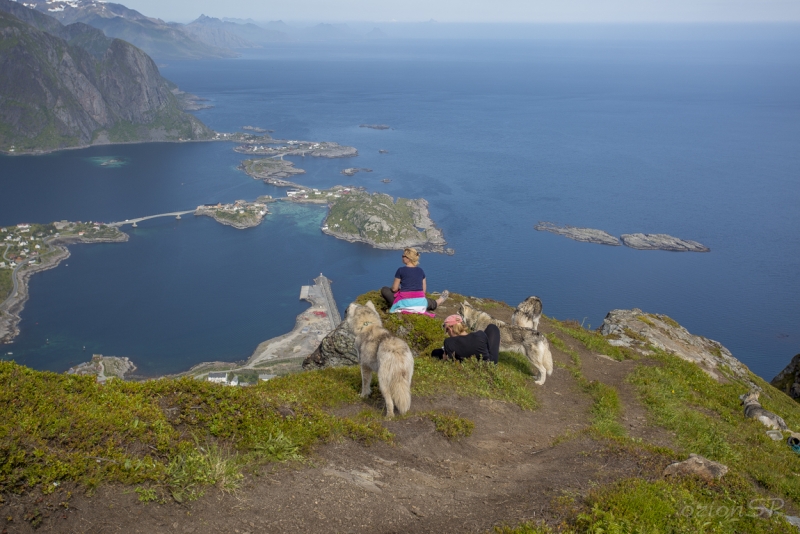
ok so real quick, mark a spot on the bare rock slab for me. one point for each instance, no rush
(639, 330)
(704, 468)
(661, 242)
(587, 235)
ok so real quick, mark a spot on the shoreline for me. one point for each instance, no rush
(11, 308)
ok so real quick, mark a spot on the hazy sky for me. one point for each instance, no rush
(477, 10)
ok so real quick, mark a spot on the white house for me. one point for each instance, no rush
(218, 377)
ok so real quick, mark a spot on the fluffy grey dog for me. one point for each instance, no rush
(379, 351)
(753, 410)
(528, 313)
(531, 343)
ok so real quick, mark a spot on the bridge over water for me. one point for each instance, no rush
(176, 214)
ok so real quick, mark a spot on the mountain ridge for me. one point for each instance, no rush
(55, 95)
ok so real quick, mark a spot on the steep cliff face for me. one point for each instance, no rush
(54, 94)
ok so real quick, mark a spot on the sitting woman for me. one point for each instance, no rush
(407, 294)
(461, 343)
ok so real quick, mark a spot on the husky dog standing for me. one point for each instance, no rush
(753, 410)
(528, 313)
(380, 352)
(531, 343)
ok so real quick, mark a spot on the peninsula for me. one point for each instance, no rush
(279, 148)
(31, 248)
(587, 235)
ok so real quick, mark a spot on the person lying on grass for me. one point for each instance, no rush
(461, 343)
(407, 294)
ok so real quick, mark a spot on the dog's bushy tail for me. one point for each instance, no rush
(394, 375)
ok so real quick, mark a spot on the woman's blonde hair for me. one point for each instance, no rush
(459, 329)
(412, 255)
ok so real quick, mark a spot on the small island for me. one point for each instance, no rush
(352, 171)
(255, 129)
(378, 220)
(662, 242)
(375, 126)
(271, 171)
(31, 248)
(241, 214)
(587, 235)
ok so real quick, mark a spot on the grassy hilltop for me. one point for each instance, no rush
(482, 449)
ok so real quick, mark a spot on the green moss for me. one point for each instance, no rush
(450, 424)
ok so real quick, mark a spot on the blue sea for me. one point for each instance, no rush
(695, 138)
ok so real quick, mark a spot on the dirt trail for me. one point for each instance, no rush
(511, 469)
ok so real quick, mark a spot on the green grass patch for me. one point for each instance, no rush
(707, 419)
(177, 434)
(594, 341)
(450, 424)
(636, 505)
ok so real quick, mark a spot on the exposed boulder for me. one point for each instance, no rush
(638, 330)
(788, 380)
(698, 466)
(337, 349)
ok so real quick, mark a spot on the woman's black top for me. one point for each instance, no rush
(473, 344)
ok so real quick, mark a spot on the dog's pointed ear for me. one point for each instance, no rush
(371, 306)
(351, 309)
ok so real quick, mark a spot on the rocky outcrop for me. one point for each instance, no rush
(661, 242)
(57, 95)
(588, 235)
(337, 349)
(788, 380)
(638, 330)
(698, 466)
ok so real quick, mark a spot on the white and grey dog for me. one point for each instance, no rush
(532, 343)
(380, 352)
(753, 410)
(528, 313)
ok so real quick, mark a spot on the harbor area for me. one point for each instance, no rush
(285, 353)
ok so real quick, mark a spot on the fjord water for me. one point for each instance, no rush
(694, 138)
